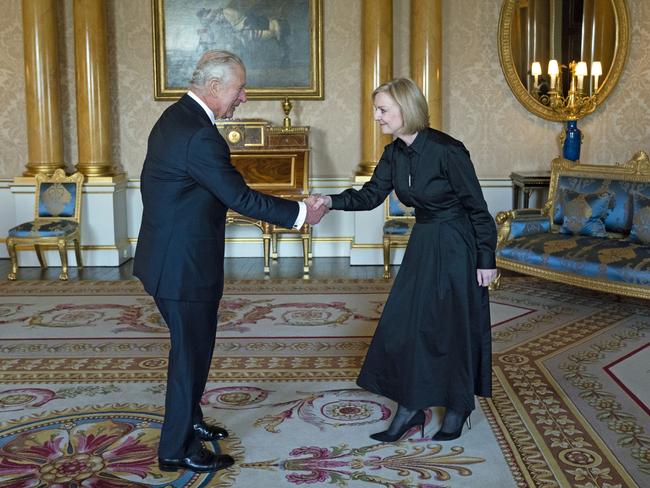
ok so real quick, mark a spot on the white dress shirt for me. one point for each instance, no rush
(302, 212)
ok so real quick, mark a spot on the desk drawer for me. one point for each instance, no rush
(287, 140)
(273, 172)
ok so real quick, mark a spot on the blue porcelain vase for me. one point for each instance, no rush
(572, 141)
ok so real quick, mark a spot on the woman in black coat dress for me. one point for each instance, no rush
(432, 344)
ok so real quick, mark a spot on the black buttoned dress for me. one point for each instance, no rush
(432, 345)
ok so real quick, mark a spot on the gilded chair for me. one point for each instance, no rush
(57, 221)
(399, 220)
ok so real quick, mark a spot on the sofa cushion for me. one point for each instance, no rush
(640, 219)
(585, 213)
(617, 260)
(529, 225)
(619, 219)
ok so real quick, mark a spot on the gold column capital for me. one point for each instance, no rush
(376, 68)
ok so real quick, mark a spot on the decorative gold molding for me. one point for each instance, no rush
(630, 290)
(52, 247)
(519, 91)
(367, 246)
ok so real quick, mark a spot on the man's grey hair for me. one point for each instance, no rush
(215, 64)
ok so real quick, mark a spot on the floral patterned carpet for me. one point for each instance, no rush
(82, 369)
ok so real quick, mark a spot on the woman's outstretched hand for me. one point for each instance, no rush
(485, 276)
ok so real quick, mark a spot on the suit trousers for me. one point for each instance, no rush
(192, 327)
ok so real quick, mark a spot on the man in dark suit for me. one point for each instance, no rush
(188, 183)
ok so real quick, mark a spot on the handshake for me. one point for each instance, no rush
(317, 206)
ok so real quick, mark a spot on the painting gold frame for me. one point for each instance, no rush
(313, 90)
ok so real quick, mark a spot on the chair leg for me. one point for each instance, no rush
(306, 245)
(63, 252)
(266, 240)
(40, 256)
(11, 249)
(77, 252)
(386, 257)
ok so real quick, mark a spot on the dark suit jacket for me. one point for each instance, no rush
(187, 185)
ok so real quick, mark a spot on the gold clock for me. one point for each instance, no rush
(234, 136)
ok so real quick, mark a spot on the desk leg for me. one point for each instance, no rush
(274, 246)
(515, 197)
(306, 245)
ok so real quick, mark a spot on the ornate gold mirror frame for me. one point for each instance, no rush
(519, 90)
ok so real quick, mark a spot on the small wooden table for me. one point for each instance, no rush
(526, 182)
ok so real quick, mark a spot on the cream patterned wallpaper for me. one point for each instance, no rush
(478, 106)
(501, 134)
(13, 132)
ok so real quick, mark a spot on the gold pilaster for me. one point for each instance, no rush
(91, 74)
(44, 137)
(426, 54)
(376, 67)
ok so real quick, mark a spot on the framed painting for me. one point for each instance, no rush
(280, 42)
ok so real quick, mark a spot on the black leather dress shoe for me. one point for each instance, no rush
(201, 462)
(210, 432)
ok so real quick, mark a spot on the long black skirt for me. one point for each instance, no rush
(432, 346)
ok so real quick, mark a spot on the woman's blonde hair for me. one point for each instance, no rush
(411, 101)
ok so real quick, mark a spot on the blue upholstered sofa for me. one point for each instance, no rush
(593, 232)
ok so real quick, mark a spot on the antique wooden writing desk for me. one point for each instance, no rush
(272, 160)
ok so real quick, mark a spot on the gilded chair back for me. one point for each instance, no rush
(58, 197)
(399, 220)
(396, 209)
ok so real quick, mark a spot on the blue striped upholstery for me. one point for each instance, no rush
(617, 260)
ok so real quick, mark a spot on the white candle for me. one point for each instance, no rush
(553, 71)
(536, 70)
(581, 72)
(596, 71)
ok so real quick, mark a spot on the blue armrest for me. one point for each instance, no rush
(522, 222)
